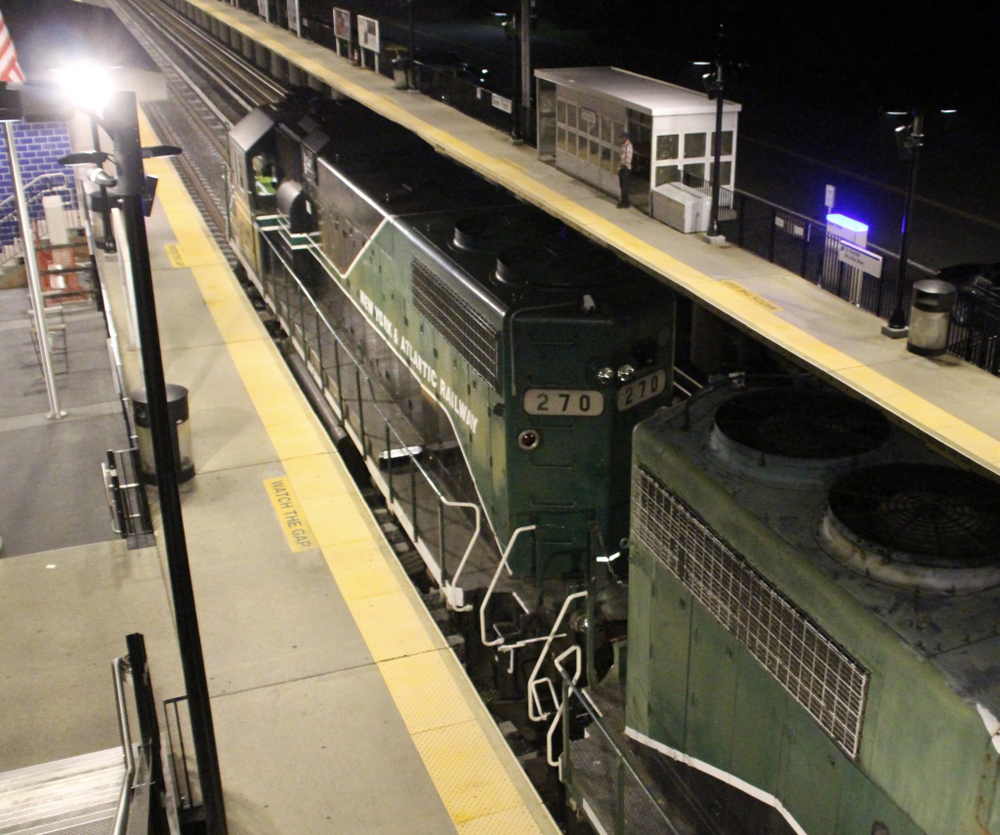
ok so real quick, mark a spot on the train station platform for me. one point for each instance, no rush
(945, 399)
(338, 704)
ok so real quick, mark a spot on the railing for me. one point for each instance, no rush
(119, 668)
(188, 802)
(974, 330)
(128, 504)
(51, 183)
(444, 83)
(611, 791)
(356, 399)
(802, 245)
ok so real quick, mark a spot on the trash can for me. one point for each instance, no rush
(401, 73)
(930, 316)
(177, 414)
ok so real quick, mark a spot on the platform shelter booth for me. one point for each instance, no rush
(583, 111)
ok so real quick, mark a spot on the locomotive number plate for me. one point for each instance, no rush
(634, 393)
(569, 402)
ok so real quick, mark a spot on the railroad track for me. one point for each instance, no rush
(209, 90)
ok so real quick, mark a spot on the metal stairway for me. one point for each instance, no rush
(75, 796)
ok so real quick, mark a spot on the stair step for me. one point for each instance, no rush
(66, 796)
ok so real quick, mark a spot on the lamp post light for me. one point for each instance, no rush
(120, 120)
(109, 245)
(714, 83)
(910, 138)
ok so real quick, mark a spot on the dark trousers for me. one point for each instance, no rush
(624, 183)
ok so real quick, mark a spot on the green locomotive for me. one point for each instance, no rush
(813, 627)
(489, 327)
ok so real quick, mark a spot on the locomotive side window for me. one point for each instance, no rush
(563, 402)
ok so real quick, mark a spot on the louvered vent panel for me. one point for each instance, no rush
(823, 678)
(464, 328)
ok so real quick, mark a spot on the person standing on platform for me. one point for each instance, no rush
(625, 170)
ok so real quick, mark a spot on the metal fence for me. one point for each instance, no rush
(803, 246)
(600, 772)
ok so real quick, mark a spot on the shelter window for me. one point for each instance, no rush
(694, 145)
(667, 146)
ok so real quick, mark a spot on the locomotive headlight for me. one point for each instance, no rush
(626, 373)
(528, 440)
(606, 375)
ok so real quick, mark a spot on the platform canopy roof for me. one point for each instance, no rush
(648, 95)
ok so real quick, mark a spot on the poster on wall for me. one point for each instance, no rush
(368, 33)
(262, 10)
(342, 24)
(293, 17)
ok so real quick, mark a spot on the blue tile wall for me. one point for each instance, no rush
(38, 145)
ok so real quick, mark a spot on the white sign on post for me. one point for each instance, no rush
(861, 259)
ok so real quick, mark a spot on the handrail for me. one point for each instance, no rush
(538, 716)
(47, 175)
(493, 582)
(118, 667)
(562, 706)
(621, 755)
(454, 594)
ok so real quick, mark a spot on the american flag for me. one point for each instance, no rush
(10, 70)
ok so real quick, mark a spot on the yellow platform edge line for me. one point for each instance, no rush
(481, 796)
(956, 434)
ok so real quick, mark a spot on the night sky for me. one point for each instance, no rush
(815, 79)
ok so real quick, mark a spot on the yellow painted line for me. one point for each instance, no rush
(293, 521)
(469, 777)
(315, 500)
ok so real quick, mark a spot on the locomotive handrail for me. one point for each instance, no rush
(454, 594)
(538, 716)
(562, 705)
(493, 582)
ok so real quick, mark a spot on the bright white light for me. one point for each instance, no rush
(847, 223)
(610, 557)
(87, 87)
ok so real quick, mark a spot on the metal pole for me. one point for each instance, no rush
(412, 57)
(34, 277)
(122, 119)
(515, 115)
(897, 321)
(525, 33)
(109, 235)
(713, 223)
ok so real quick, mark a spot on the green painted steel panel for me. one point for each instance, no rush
(670, 630)
(812, 768)
(711, 691)
(761, 706)
(859, 797)
(640, 586)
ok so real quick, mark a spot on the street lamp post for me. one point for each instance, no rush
(715, 88)
(121, 120)
(910, 148)
(109, 235)
(718, 86)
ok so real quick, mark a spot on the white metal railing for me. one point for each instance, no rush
(534, 707)
(435, 563)
(118, 669)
